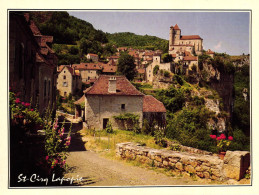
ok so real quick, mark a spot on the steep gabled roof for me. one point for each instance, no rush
(123, 87)
(80, 101)
(151, 104)
(190, 37)
(176, 27)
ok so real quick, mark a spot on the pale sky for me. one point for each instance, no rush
(221, 31)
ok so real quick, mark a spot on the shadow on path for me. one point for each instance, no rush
(77, 144)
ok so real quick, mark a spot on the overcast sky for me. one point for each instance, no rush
(221, 31)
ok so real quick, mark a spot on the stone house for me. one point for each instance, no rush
(113, 60)
(154, 110)
(68, 81)
(93, 57)
(111, 96)
(88, 71)
(162, 66)
(32, 62)
(210, 53)
(114, 95)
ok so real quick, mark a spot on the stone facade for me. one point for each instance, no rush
(206, 166)
(179, 43)
(32, 66)
(101, 108)
(68, 82)
(150, 67)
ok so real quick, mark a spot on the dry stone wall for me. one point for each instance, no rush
(203, 166)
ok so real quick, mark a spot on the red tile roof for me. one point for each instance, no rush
(109, 68)
(113, 57)
(209, 52)
(190, 37)
(151, 104)
(190, 58)
(80, 101)
(174, 55)
(187, 53)
(123, 87)
(141, 70)
(88, 66)
(176, 27)
(35, 30)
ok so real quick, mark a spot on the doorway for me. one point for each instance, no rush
(105, 122)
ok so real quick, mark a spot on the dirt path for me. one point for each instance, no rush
(99, 171)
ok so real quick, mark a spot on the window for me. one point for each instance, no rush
(65, 94)
(123, 106)
(64, 77)
(64, 71)
(65, 84)
(45, 88)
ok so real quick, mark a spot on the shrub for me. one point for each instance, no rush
(166, 73)
(155, 69)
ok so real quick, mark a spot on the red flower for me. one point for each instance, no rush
(31, 109)
(213, 136)
(223, 136)
(23, 103)
(17, 101)
(230, 138)
(47, 158)
(219, 138)
(27, 104)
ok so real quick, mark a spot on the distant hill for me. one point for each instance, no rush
(73, 37)
(138, 41)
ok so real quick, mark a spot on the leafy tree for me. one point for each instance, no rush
(155, 69)
(167, 57)
(126, 66)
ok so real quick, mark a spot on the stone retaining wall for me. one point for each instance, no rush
(203, 166)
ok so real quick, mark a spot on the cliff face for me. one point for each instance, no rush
(224, 86)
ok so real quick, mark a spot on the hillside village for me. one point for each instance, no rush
(172, 96)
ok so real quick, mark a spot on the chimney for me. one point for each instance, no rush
(112, 85)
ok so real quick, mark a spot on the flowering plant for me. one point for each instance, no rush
(56, 145)
(222, 142)
(22, 113)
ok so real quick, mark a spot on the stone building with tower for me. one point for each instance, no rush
(179, 43)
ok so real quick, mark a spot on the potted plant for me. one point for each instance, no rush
(222, 144)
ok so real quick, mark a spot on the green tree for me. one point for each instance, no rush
(167, 57)
(126, 66)
(155, 69)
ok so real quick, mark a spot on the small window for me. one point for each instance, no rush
(65, 84)
(64, 71)
(123, 106)
(64, 77)
(65, 94)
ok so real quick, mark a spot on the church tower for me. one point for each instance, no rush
(177, 35)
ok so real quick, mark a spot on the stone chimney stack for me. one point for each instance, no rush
(112, 85)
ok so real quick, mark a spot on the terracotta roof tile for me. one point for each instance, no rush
(109, 68)
(113, 57)
(176, 27)
(190, 58)
(209, 52)
(123, 87)
(151, 104)
(80, 101)
(190, 37)
(141, 70)
(88, 66)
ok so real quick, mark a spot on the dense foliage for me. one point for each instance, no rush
(126, 66)
(138, 41)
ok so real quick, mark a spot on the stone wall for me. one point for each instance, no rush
(203, 166)
(98, 108)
